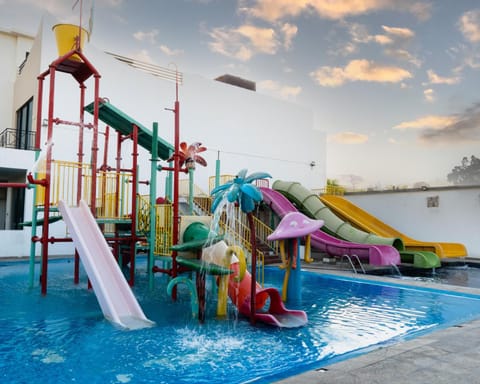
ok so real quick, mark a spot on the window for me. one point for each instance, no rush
(12, 200)
(433, 202)
(25, 134)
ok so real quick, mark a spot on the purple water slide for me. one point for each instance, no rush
(374, 254)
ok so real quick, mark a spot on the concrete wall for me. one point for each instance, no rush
(13, 46)
(455, 219)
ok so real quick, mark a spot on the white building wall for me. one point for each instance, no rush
(456, 219)
(244, 128)
(13, 47)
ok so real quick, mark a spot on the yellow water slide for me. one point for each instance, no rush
(367, 222)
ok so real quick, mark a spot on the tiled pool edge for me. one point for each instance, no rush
(443, 356)
(395, 281)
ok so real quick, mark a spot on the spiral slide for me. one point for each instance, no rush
(310, 203)
(374, 254)
(114, 295)
(367, 222)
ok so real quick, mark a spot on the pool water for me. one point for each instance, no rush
(461, 275)
(63, 337)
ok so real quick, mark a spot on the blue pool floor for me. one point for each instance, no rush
(80, 326)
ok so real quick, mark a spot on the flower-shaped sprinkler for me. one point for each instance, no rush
(241, 191)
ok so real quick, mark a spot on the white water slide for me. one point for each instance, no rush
(114, 295)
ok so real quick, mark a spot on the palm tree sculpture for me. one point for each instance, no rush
(188, 156)
(240, 190)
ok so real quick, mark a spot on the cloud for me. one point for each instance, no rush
(436, 79)
(262, 39)
(465, 128)
(402, 33)
(247, 40)
(394, 40)
(170, 52)
(359, 70)
(150, 36)
(273, 10)
(429, 95)
(348, 138)
(404, 55)
(244, 41)
(144, 56)
(469, 25)
(429, 122)
(453, 129)
(289, 32)
(284, 91)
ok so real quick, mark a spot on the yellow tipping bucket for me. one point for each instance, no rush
(67, 37)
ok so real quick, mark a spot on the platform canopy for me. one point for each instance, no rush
(124, 124)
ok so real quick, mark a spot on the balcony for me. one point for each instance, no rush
(11, 138)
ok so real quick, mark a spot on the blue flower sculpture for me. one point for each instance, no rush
(240, 190)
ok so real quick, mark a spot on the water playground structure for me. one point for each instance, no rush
(107, 220)
(110, 223)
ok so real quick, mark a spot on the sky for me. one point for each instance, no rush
(394, 84)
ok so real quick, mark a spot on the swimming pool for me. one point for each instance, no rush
(63, 337)
(460, 275)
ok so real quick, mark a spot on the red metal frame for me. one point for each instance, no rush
(81, 71)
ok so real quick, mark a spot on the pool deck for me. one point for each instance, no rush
(448, 355)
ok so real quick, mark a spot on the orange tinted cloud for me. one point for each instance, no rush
(348, 138)
(470, 25)
(359, 70)
(430, 121)
(248, 40)
(273, 10)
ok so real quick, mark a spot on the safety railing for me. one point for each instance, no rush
(222, 180)
(163, 229)
(163, 224)
(184, 189)
(114, 189)
(331, 190)
(12, 138)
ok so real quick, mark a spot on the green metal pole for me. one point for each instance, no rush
(217, 170)
(153, 192)
(31, 269)
(190, 190)
(168, 184)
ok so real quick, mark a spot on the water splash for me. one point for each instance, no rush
(40, 164)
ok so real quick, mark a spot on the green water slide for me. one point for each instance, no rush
(309, 203)
(121, 122)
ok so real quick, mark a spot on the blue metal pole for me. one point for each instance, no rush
(294, 290)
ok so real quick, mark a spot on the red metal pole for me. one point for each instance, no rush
(176, 169)
(76, 270)
(39, 113)
(80, 143)
(93, 192)
(105, 148)
(46, 208)
(14, 185)
(117, 188)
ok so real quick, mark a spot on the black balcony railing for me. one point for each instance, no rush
(11, 138)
